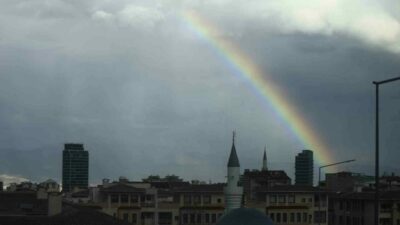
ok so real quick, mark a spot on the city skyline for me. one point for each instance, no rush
(157, 88)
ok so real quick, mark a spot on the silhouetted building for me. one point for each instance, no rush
(358, 208)
(75, 170)
(348, 182)
(304, 168)
(256, 179)
(29, 203)
(245, 216)
(294, 204)
(1, 185)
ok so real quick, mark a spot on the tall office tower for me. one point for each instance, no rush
(233, 190)
(304, 167)
(75, 170)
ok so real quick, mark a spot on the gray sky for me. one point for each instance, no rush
(146, 95)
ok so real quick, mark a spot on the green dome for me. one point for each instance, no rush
(245, 216)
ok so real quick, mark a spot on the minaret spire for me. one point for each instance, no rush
(264, 166)
(233, 190)
(233, 158)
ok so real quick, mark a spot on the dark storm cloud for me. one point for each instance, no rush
(146, 95)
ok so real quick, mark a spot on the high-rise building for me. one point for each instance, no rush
(304, 168)
(75, 170)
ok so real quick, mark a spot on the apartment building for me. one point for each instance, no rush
(293, 204)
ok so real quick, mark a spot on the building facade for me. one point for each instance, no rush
(293, 204)
(75, 168)
(304, 168)
(143, 203)
(357, 208)
(253, 180)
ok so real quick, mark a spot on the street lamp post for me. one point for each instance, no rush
(377, 83)
(319, 183)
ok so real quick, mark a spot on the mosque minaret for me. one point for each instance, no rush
(233, 190)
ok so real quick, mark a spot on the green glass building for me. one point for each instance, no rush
(304, 168)
(75, 169)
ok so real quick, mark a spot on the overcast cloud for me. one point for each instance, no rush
(146, 96)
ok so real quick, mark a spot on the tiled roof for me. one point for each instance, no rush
(71, 214)
(290, 188)
(270, 174)
(386, 195)
(216, 188)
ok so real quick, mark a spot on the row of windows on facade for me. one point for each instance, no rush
(124, 198)
(348, 220)
(360, 206)
(196, 199)
(191, 218)
(319, 217)
(291, 199)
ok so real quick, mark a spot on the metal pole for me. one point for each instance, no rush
(377, 155)
(319, 195)
(377, 83)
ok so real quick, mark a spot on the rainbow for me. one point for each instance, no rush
(264, 88)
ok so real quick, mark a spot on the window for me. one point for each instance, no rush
(284, 217)
(207, 199)
(196, 199)
(292, 217)
(134, 199)
(320, 217)
(125, 216)
(219, 200)
(192, 218)
(187, 199)
(309, 199)
(278, 217)
(185, 218)
(305, 217)
(272, 216)
(272, 199)
(134, 218)
(214, 218)
(298, 219)
(114, 198)
(291, 199)
(124, 198)
(303, 200)
(198, 218)
(207, 218)
(282, 198)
